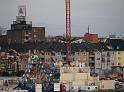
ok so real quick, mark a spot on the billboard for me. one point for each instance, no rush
(22, 10)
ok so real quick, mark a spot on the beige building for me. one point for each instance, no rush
(107, 84)
(77, 76)
(119, 60)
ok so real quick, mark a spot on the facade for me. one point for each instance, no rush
(107, 84)
(83, 57)
(3, 39)
(119, 58)
(92, 61)
(98, 62)
(106, 60)
(33, 34)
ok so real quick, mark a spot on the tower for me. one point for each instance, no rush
(68, 32)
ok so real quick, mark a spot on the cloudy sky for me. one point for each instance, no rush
(104, 16)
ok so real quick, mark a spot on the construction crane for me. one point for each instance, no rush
(68, 32)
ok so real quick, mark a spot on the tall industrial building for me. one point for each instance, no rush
(91, 38)
(22, 30)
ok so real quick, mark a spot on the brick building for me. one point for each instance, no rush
(92, 38)
(22, 30)
(25, 33)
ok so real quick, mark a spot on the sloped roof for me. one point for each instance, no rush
(110, 44)
(115, 44)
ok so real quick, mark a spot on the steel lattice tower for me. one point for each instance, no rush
(68, 32)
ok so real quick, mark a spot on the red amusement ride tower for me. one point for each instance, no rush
(68, 33)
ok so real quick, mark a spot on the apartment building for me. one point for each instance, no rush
(103, 61)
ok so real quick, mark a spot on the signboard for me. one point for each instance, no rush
(22, 10)
(57, 87)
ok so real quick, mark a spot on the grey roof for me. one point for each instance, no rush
(115, 44)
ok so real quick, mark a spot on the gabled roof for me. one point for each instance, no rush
(115, 44)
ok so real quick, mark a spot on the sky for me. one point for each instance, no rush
(103, 16)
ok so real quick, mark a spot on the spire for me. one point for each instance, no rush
(88, 29)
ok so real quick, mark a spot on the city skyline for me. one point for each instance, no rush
(104, 16)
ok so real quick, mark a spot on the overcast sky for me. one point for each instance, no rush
(104, 16)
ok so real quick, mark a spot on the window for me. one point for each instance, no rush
(119, 63)
(26, 32)
(119, 58)
(103, 59)
(26, 38)
(119, 53)
(112, 64)
(99, 63)
(108, 63)
(108, 54)
(102, 86)
(95, 87)
(34, 30)
(98, 58)
(108, 60)
(35, 36)
(88, 87)
(103, 55)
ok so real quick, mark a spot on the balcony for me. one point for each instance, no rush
(91, 61)
(91, 55)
